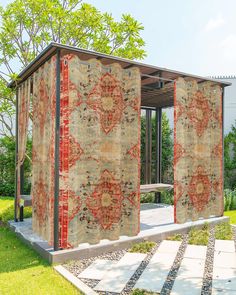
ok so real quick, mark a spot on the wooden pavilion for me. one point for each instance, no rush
(86, 142)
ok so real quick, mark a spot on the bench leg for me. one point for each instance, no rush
(21, 213)
(157, 197)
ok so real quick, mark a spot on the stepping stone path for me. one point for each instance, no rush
(224, 268)
(152, 271)
(155, 274)
(118, 276)
(97, 269)
(191, 271)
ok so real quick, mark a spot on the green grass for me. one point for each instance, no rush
(142, 292)
(199, 236)
(223, 231)
(22, 271)
(5, 203)
(232, 215)
(143, 247)
(7, 209)
(176, 237)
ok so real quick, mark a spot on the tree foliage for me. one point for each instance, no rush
(28, 26)
(167, 149)
(7, 167)
(230, 158)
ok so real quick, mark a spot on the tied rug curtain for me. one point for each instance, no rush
(198, 183)
(44, 87)
(23, 120)
(99, 151)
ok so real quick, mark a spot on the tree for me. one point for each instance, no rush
(28, 26)
(167, 151)
(7, 167)
(230, 158)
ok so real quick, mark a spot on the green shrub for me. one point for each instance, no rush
(229, 199)
(7, 167)
(143, 247)
(233, 200)
(7, 189)
(177, 237)
(167, 197)
(230, 158)
(142, 292)
(147, 198)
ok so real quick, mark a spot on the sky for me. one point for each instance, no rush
(193, 36)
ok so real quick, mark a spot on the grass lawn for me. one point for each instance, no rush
(22, 270)
(5, 203)
(7, 209)
(232, 215)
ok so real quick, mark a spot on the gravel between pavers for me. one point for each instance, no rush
(89, 282)
(208, 270)
(168, 285)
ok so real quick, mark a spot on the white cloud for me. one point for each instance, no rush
(214, 23)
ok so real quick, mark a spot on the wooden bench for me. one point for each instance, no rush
(144, 189)
(155, 187)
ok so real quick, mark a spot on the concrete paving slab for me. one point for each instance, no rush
(224, 246)
(224, 278)
(155, 274)
(97, 269)
(191, 268)
(187, 286)
(118, 276)
(195, 252)
(191, 271)
(222, 292)
(165, 259)
(169, 246)
(224, 259)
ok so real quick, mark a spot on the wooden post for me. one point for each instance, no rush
(57, 159)
(158, 151)
(16, 211)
